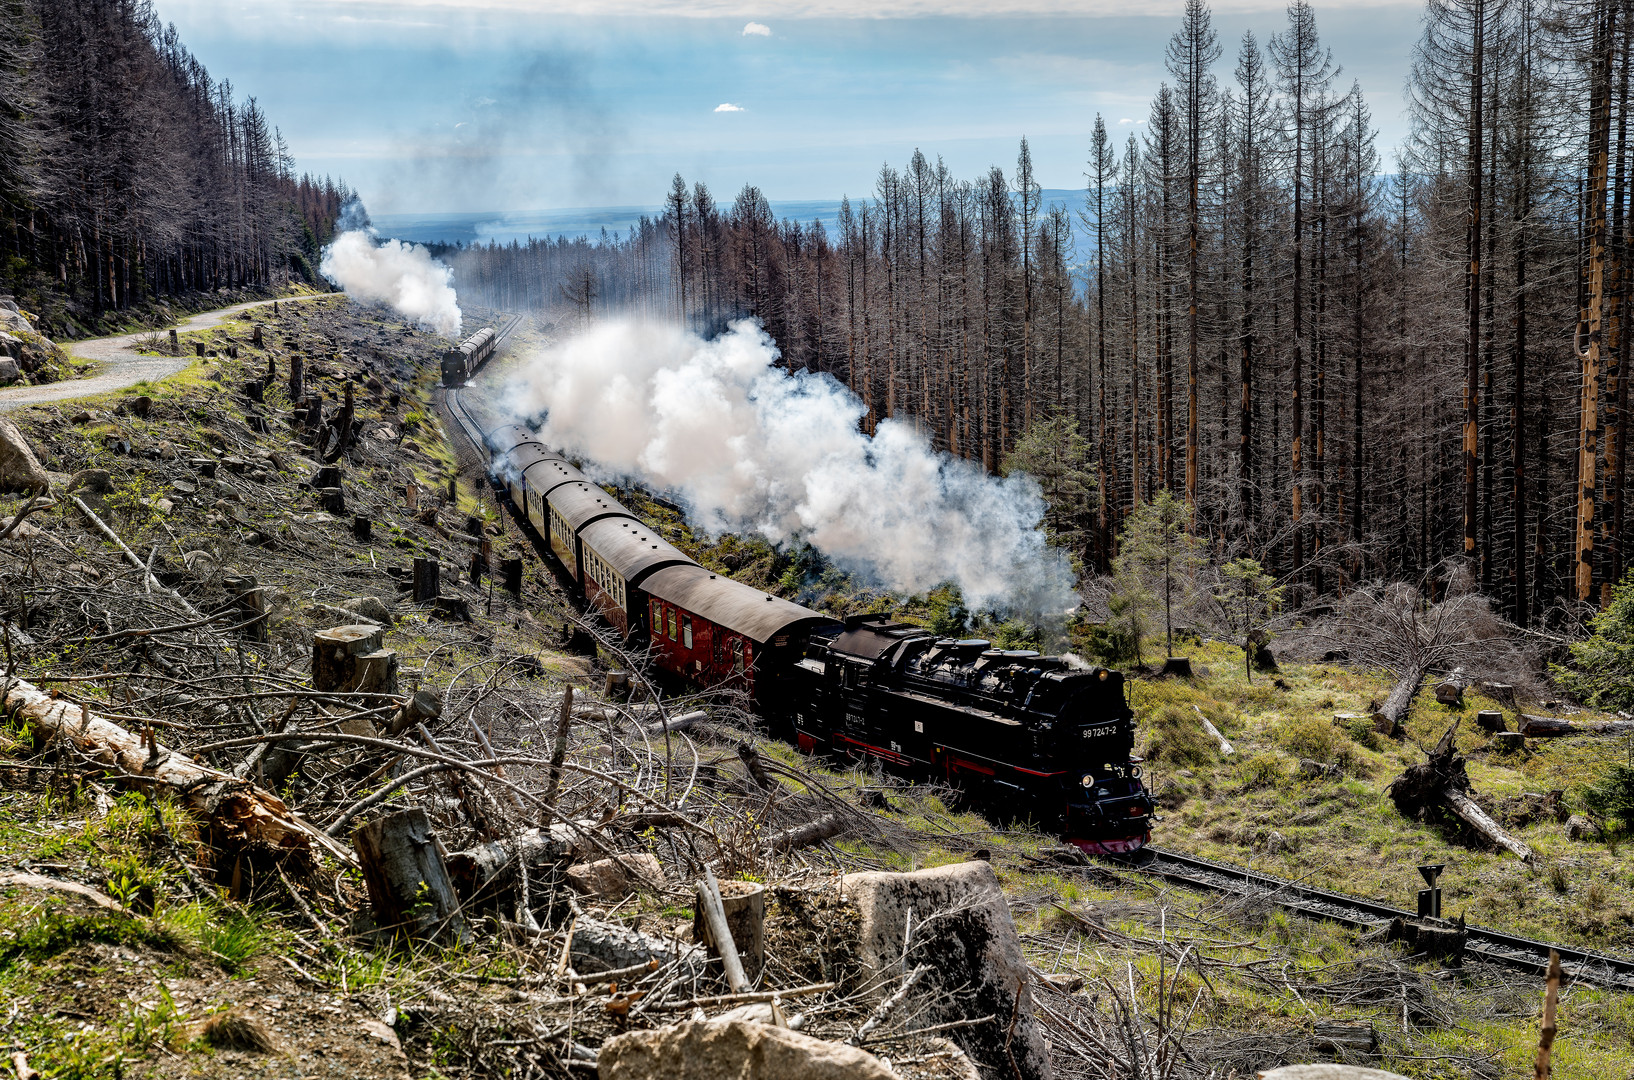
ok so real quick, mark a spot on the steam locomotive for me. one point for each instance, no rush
(1050, 742)
(465, 359)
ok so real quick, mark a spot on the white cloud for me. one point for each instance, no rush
(1125, 120)
(404, 12)
(727, 106)
(755, 29)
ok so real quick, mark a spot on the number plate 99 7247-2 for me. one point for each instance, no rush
(1099, 731)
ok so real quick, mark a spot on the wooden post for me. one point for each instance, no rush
(426, 585)
(403, 866)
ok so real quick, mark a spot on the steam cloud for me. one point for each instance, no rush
(752, 448)
(403, 277)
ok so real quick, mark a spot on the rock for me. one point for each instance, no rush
(963, 932)
(20, 470)
(733, 1050)
(13, 320)
(370, 609)
(9, 371)
(1316, 770)
(1328, 1072)
(614, 878)
(1579, 827)
(22, 532)
(81, 417)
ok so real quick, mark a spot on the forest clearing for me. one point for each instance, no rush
(1181, 631)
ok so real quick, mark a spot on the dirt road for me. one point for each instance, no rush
(121, 366)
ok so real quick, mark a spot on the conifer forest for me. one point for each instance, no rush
(1353, 368)
(129, 173)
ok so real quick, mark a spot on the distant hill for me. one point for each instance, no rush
(507, 225)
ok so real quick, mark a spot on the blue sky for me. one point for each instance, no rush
(428, 106)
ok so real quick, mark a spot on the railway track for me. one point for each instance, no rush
(1494, 946)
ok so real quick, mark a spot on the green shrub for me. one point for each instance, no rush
(1175, 735)
(1598, 671)
(1309, 737)
(1612, 799)
(1262, 771)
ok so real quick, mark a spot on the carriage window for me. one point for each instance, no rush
(672, 624)
(715, 645)
(657, 617)
(737, 655)
(686, 631)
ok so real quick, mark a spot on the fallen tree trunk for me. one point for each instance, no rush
(1450, 691)
(1441, 783)
(805, 835)
(1393, 713)
(238, 812)
(1554, 727)
(1477, 819)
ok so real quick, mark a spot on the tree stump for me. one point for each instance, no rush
(250, 603)
(512, 569)
(327, 476)
(297, 378)
(478, 565)
(362, 529)
(409, 889)
(426, 583)
(198, 349)
(256, 337)
(745, 906)
(175, 345)
(1511, 742)
(349, 659)
(1490, 721)
(411, 498)
(254, 391)
(1177, 665)
(332, 500)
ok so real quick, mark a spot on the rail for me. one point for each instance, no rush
(1495, 946)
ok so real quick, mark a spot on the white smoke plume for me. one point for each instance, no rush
(403, 277)
(752, 448)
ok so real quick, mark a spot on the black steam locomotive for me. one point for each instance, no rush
(465, 359)
(1052, 743)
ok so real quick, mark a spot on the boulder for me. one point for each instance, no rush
(958, 925)
(732, 1050)
(11, 345)
(14, 322)
(20, 470)
(615, 878)
(370, 608)
(9, 371)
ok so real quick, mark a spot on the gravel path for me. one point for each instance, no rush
(120, 365)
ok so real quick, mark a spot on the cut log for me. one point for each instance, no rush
(1478, 819)
(676, 723)
(1214, 733)
(1393, 713)
(409, 887)
(610, 945)
(829, 825)
(1337, 1036)
(475, 869)
(1553, 727)
(1450, 691)
(237, 812)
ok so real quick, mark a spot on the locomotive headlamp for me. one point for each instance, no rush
(1103, 674)
(1089, 780)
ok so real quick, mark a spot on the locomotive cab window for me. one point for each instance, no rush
(686, 631)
